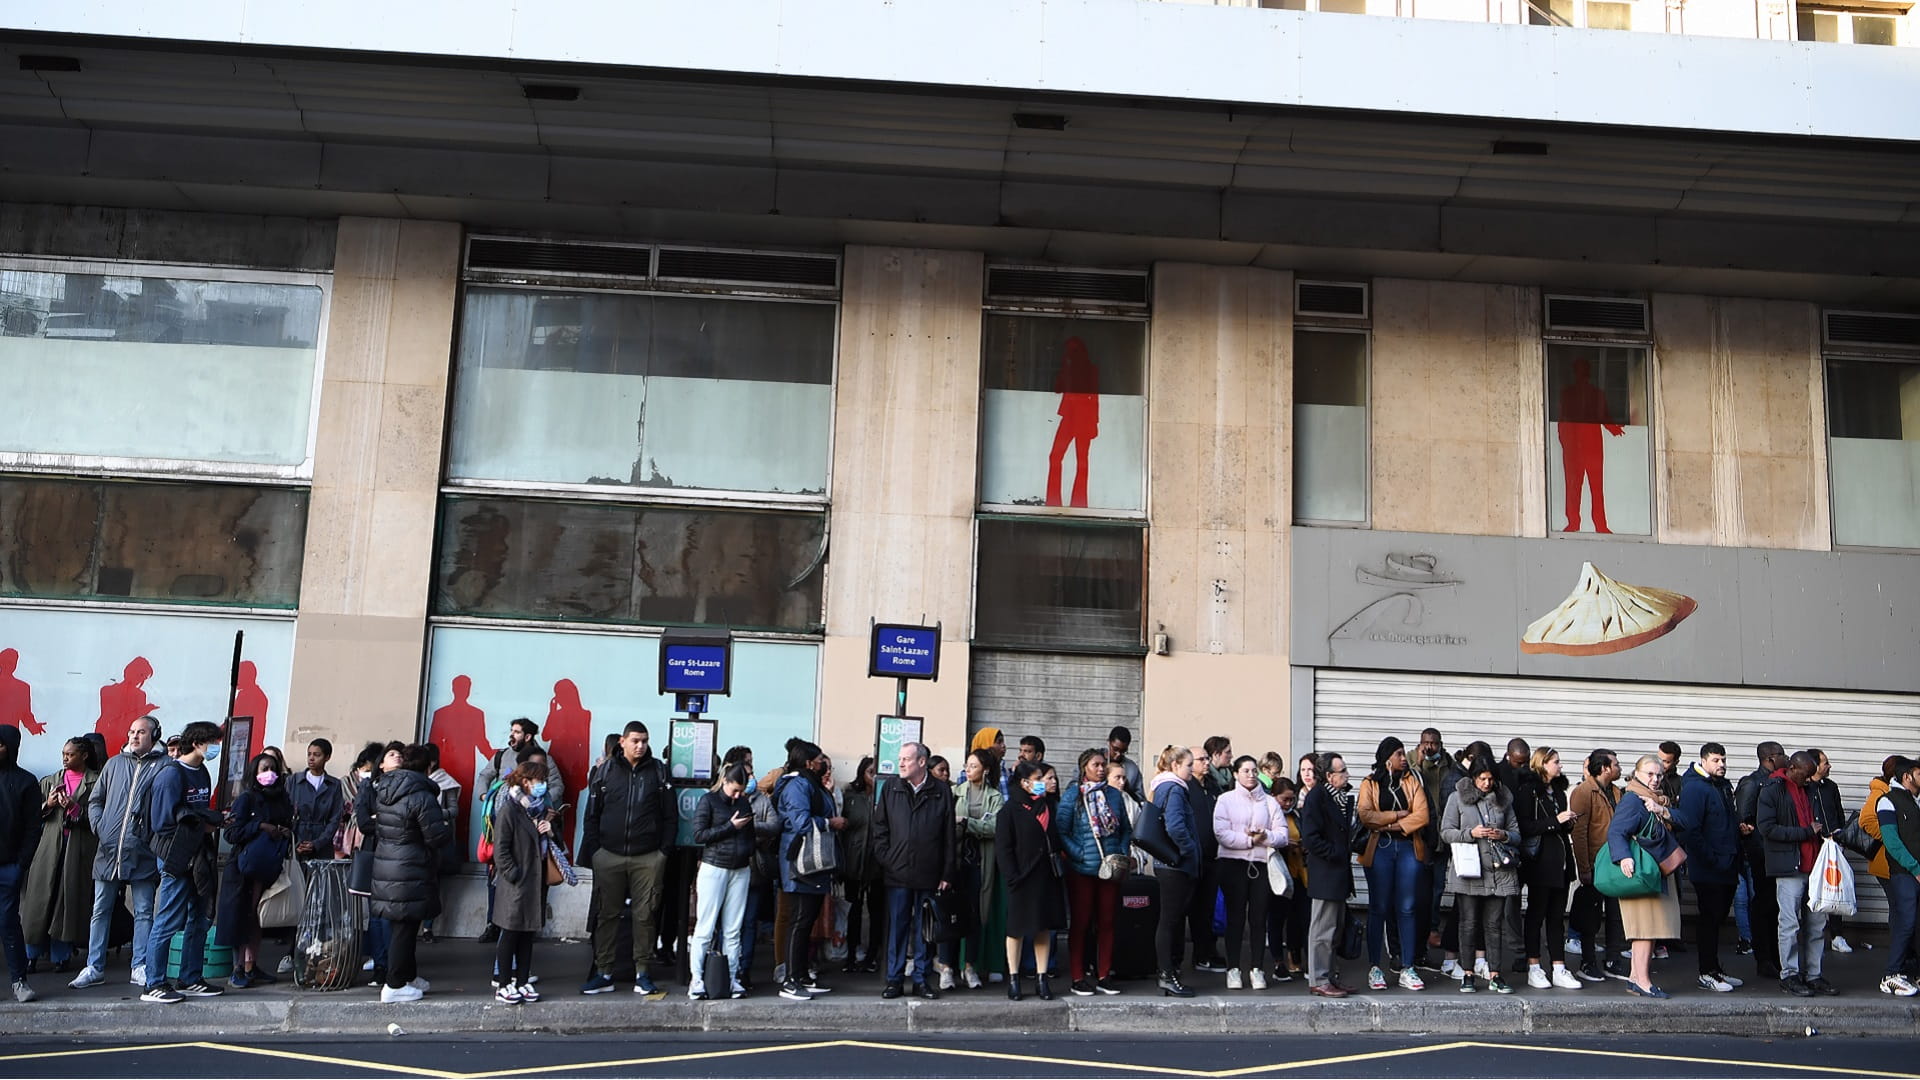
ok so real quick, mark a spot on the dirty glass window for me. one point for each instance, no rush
(671, 392)
(1873, 452)
(169, 368)
(1063, 413)
(1058, 584)
(1599, 453)
(222, 544)
(1329, 425)
(616, 563)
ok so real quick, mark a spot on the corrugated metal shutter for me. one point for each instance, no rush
(1354, 710)
(1069, 701)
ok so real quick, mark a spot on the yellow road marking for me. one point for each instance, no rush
(324, 1059)
(693, 1056)
(1342, 1060)
(1830, 1070)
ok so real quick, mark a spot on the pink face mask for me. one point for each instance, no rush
(268, 778)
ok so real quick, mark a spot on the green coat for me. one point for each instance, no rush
(981, 830)
(58, 900)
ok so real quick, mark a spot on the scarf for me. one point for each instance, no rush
(1100, 815)
(1803, 812)
(72, 781)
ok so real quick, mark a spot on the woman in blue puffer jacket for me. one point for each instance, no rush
(1093, 825)
(1168, 791)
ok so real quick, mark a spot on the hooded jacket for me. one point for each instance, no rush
(117, 812)
(1870, 821)
(404, 813)
(1709, 827)
(913, 833)
(803, 804)
(1786, 839)
(1472, 807)
(19, 806)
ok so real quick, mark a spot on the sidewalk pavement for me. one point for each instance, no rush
(461, 1000)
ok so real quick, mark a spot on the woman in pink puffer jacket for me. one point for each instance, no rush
(1249, 826)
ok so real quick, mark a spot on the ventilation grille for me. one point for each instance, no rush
(1334, 299)
(1598, 314)
(551, 257)
(749, 267)
(1032, 284)
(1866, 329)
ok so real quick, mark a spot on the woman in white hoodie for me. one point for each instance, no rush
(1249, 826)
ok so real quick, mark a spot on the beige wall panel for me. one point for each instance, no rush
(849, 701)
(356, 678)
(1246, 700)
(896, 567)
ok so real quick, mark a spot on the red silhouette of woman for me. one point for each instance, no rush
(123, 702)
(1078, 384)
(459, 729)
(569, 732)
(250, 700)
(1583, 458)
(16, 697)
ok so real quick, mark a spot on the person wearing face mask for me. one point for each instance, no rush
(1169, 792)
(521, 831)
(1249, 827)
(1093, 827)
(1393, 807)
(259, 829)
(182, 825)
(805, 805)
(1027, 847)
(123, 863)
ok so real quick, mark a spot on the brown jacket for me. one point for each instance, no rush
(1869, 820)
(1595, 810)
(1412, 821)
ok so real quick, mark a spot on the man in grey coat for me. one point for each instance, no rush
(117, 813)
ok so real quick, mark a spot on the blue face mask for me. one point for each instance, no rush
(538, 790)
(213, 752)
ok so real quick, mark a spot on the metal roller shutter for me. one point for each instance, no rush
(1069, 701)
(1354, 710)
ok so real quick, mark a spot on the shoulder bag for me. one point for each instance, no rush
(1611, 882)
(1150, 834)
(1855, 838)
(1112, 867)
(285, 900)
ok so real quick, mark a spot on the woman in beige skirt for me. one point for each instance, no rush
(1647, 919)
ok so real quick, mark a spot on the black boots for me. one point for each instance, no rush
(1171, 985)
(1046, 991)
(1013, 987)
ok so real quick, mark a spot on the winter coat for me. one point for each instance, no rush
(1746, 803)
(1410, 822)
(401, 811)
(1438, 779)
(722, 843)
(57, 902)
(766, 839)
(252, 810)
(117, 811)
(632, 811)
(856, 840)
(1593, 801)
(1174, 798)
(317, 813)
(1085, 850)
(1870, 821)
(1826, 796)
(980, 831)
(1538, 809)
(1200, 801)
(1709, 827)
(20, 802)
(1470, 807)
(1629, 817)
(519, 865)
(803, 804)
(1239, 811)
(1777, 823)
(1325, 822)
(1027, 853)
(913, 833)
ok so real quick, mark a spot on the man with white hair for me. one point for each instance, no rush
(913, 842)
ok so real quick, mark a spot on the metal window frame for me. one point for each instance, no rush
(1827, 356)
(1596, 334)
(185, 468)
(652, 282)
(1366, 379)
(1109, 521)
(1547, 341)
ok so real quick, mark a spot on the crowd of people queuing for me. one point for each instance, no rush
(959, 882)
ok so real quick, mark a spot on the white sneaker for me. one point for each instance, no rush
(421, 985)
(285, 967)
(139, 976)
(1899, 986)
(399, 995)
(946, 979)
(1731, 981)
(971, 977)
(89, 976)
(1452, 970)
(1233, 979)
(1839, 945)
(507, 993)
(1410, 980)
(697, 990)
(1537, 978)
(1257, 979)
(1480, 968)
(1566, 980)
(367, 965)
(1718, 986)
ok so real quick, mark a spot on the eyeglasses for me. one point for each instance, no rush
(1336, 772)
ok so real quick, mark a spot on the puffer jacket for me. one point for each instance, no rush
(1471, 807)
(1084, 849)
(1709, 827)
(803, 804)
(402, 810)
(722, 843)
(1870, 821)
(117, 812)
(1239, 810)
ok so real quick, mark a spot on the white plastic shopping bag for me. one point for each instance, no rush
(1830, 886)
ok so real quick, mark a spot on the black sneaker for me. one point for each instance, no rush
(1081, 988)
(1743, 947)
(1591, 973)
(162, 995)
(1819, 985)
(600, 983)
(1795, 985)
(793, 991)
(1210, 965)
(200, 989)
(926, 990)
(813, 985)
(490, 936)
(891, 990)
(1618, 970)
(1107, 986)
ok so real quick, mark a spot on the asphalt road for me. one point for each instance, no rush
(1050, 1056)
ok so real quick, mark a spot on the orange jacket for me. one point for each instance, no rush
(1870, 821)
(1411, 822)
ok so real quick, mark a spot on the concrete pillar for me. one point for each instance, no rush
(1220, 433)
(360, 639)
(905, 440)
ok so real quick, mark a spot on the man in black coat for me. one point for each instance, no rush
(1326, 824)
(914, 843)
(1763, 910)
(19, 839)
(1202, 902)
(631, 819)
(1791, 822)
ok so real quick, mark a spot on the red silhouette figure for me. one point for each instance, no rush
(460, 731)
(250, 700)
(123, 702)
(569, 732)
(1078, 384)
(16, 697)
(1583, 414)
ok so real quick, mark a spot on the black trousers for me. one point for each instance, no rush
(513, 956)
(1247, 898)
(870, 898)
(806, 909)
(1763, 917)
(1593, 912)
(1715, 901)
(1176, 890)
(1200, 905)
(401, 968)
(1546, 909)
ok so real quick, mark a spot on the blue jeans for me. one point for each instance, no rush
(379, 936)
(903, 929)
(1903, 906)
(179, 907)
(722, 907)
(1743, 925)
(105, 895)
(12, 936)
(1393, 887)
(55, 950)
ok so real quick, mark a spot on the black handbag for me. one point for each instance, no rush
(1855, 838)
(360, 874)
(948, 917)
(1150, 835)
(1352, 938)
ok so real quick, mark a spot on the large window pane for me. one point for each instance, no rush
(1599, 457)
(171, 543)
(154, 367)
(1873, 455)
(1058, 585)
(1329, 425)
(645, 391)
(605, 563)
(1064, 412)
